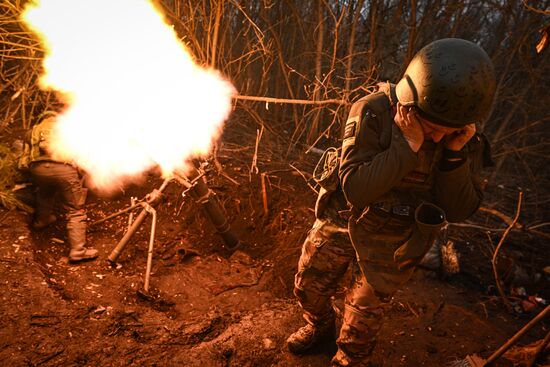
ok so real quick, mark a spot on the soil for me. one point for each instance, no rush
(209, 307)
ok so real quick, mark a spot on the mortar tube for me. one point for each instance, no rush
(204, 196)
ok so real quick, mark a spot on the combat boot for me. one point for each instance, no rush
(309, 336)
(82, 254)
(340, 359)
(76, 231)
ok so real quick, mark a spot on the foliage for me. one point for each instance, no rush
(336, 50)
(9, 176)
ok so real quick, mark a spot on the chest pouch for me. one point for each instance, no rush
(429, 220)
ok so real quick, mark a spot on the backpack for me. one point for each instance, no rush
(36, 144)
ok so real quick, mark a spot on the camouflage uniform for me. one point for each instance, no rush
(53, 177)
(381, 184)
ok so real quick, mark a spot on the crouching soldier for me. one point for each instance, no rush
(52, 178)
(410, 161)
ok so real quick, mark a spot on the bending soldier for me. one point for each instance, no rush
(52, 177)
(410, 161)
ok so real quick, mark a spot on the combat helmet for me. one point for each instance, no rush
(451, 81)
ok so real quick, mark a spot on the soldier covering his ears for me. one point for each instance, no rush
(410, 161)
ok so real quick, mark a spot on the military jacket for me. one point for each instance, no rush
(377, 166)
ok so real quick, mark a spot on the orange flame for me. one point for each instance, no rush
(136, 98)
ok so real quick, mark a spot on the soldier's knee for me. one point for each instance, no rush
(362, 295)
(359, 326)
(311, 300)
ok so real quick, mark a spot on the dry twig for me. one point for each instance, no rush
(505, 218)
(264, 195)
(497, 249)
(254, 166)
(305, 179)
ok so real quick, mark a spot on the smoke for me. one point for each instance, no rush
(136, 98)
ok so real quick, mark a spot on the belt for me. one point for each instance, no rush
(399, 210)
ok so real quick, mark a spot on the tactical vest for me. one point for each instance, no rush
(412, 189)
(415, 186)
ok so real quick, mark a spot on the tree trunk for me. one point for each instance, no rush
(412, 33)
(351, 43)
(315, 125)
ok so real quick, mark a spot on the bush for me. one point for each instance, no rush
(10, 176)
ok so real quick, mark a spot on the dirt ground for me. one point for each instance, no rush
(208, 307)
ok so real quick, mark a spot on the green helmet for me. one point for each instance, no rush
(451, 81)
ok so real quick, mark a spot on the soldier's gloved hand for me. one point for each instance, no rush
(457, 140)
(407, 121)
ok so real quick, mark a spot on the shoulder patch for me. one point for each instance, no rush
(351, 126)
(350, 130)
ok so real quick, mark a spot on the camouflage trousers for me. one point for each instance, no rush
(55, 178)
(326, 255)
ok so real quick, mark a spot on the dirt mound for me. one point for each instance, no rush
(207, 307)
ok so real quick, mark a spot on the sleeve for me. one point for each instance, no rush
(367, 169)
(458, 190)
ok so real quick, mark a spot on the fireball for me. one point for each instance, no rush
(136, 98)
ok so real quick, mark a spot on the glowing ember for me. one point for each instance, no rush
(136, 98)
